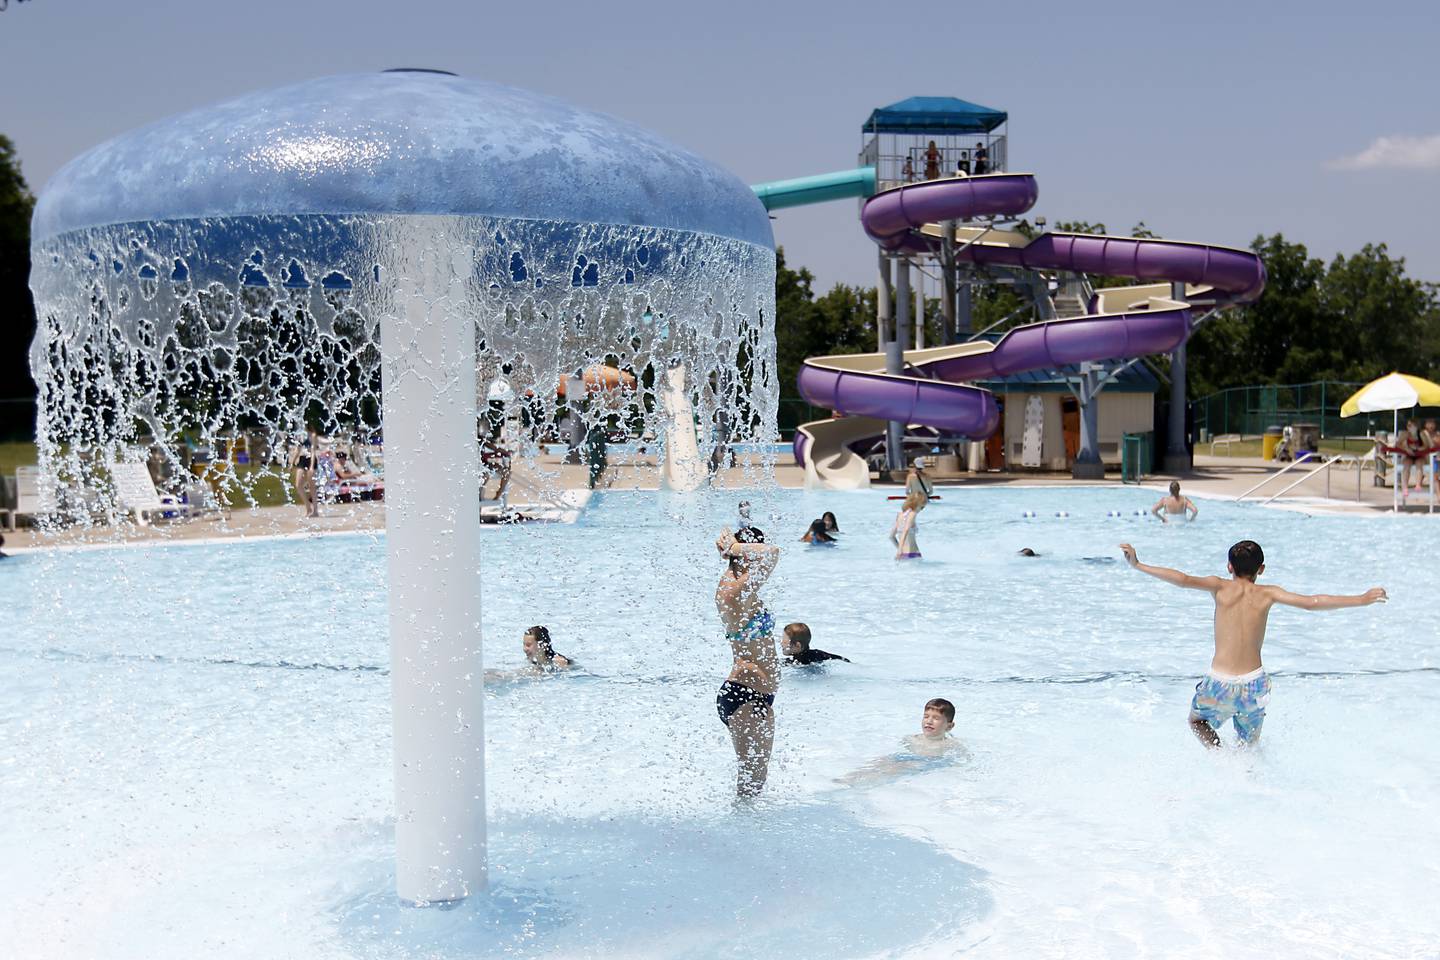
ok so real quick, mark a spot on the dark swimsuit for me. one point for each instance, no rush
(815, 656)
(732, 695)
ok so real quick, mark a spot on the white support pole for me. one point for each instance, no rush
(432, 541)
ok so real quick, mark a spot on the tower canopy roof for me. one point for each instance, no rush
(941, 115)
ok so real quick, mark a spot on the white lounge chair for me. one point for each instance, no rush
(135, 493)
(32, 498)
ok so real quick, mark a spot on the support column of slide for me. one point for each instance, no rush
(1088, 465)
(432, 546)
(1177, 455)
(895, 361)
(919, 309)
(964, 325)
(883, 295)
(947, 288)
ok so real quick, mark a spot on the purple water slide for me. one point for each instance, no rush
(892, 219)
(1055, 343)
(891, 216)
(970, 411)
(945, 406)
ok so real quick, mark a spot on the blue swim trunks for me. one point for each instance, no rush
(1220, 697)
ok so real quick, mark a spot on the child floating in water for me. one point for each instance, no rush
(931, 746)
(1175, 506)
(1237, 686)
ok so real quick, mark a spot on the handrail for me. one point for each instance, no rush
(1303, 458)
(1301, 479)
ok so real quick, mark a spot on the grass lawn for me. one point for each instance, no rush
(268, 491)
(17, 454)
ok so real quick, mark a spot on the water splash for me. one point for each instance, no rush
(160, 339)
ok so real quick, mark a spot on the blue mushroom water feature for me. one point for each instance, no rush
(319, 254)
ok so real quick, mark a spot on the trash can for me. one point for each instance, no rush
(1135, 456)
(1270, 441)
(1307, 437)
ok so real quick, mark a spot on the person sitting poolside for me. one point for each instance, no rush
(817, 535)
(1175, 506)
(798, 652)
(3, 554)
(932, 746)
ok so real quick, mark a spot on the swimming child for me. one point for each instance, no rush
(1237, 687)
(540, 652)
(747, 696)
(817, 534)
(832, 526)
(797, 648)
(903, 533)
(1175, 506)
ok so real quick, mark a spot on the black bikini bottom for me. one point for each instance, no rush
(733, 696)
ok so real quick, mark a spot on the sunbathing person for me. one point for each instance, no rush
(798, 652)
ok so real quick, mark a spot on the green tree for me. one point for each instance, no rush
(16, 307)
(841, 321)
(1355, 319)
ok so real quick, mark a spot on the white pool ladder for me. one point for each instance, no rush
(1303, 458)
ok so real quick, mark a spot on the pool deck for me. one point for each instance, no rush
(555, 491)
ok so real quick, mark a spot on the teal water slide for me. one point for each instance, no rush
(779, 194)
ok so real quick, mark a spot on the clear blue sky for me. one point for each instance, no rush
(1215, 123)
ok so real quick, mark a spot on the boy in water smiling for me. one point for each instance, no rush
(922, 750)
(1237, 686)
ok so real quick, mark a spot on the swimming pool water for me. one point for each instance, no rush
(194, 745)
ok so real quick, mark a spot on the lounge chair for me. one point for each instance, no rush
(365, 486)
(135, 493)
(33, 499)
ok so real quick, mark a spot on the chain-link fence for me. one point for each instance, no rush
(1248, 411)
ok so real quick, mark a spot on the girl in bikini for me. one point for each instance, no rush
(746, 699)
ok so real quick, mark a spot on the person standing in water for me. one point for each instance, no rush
(916, 480)
(1237, 686)
(1175, 506)
(903, 533)
(746, 699)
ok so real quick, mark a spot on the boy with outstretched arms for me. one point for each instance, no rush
(1237, 686)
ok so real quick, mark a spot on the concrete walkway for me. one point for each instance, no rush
(552, 490)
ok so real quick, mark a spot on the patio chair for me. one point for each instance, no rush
(32, 498)
(135, 493)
